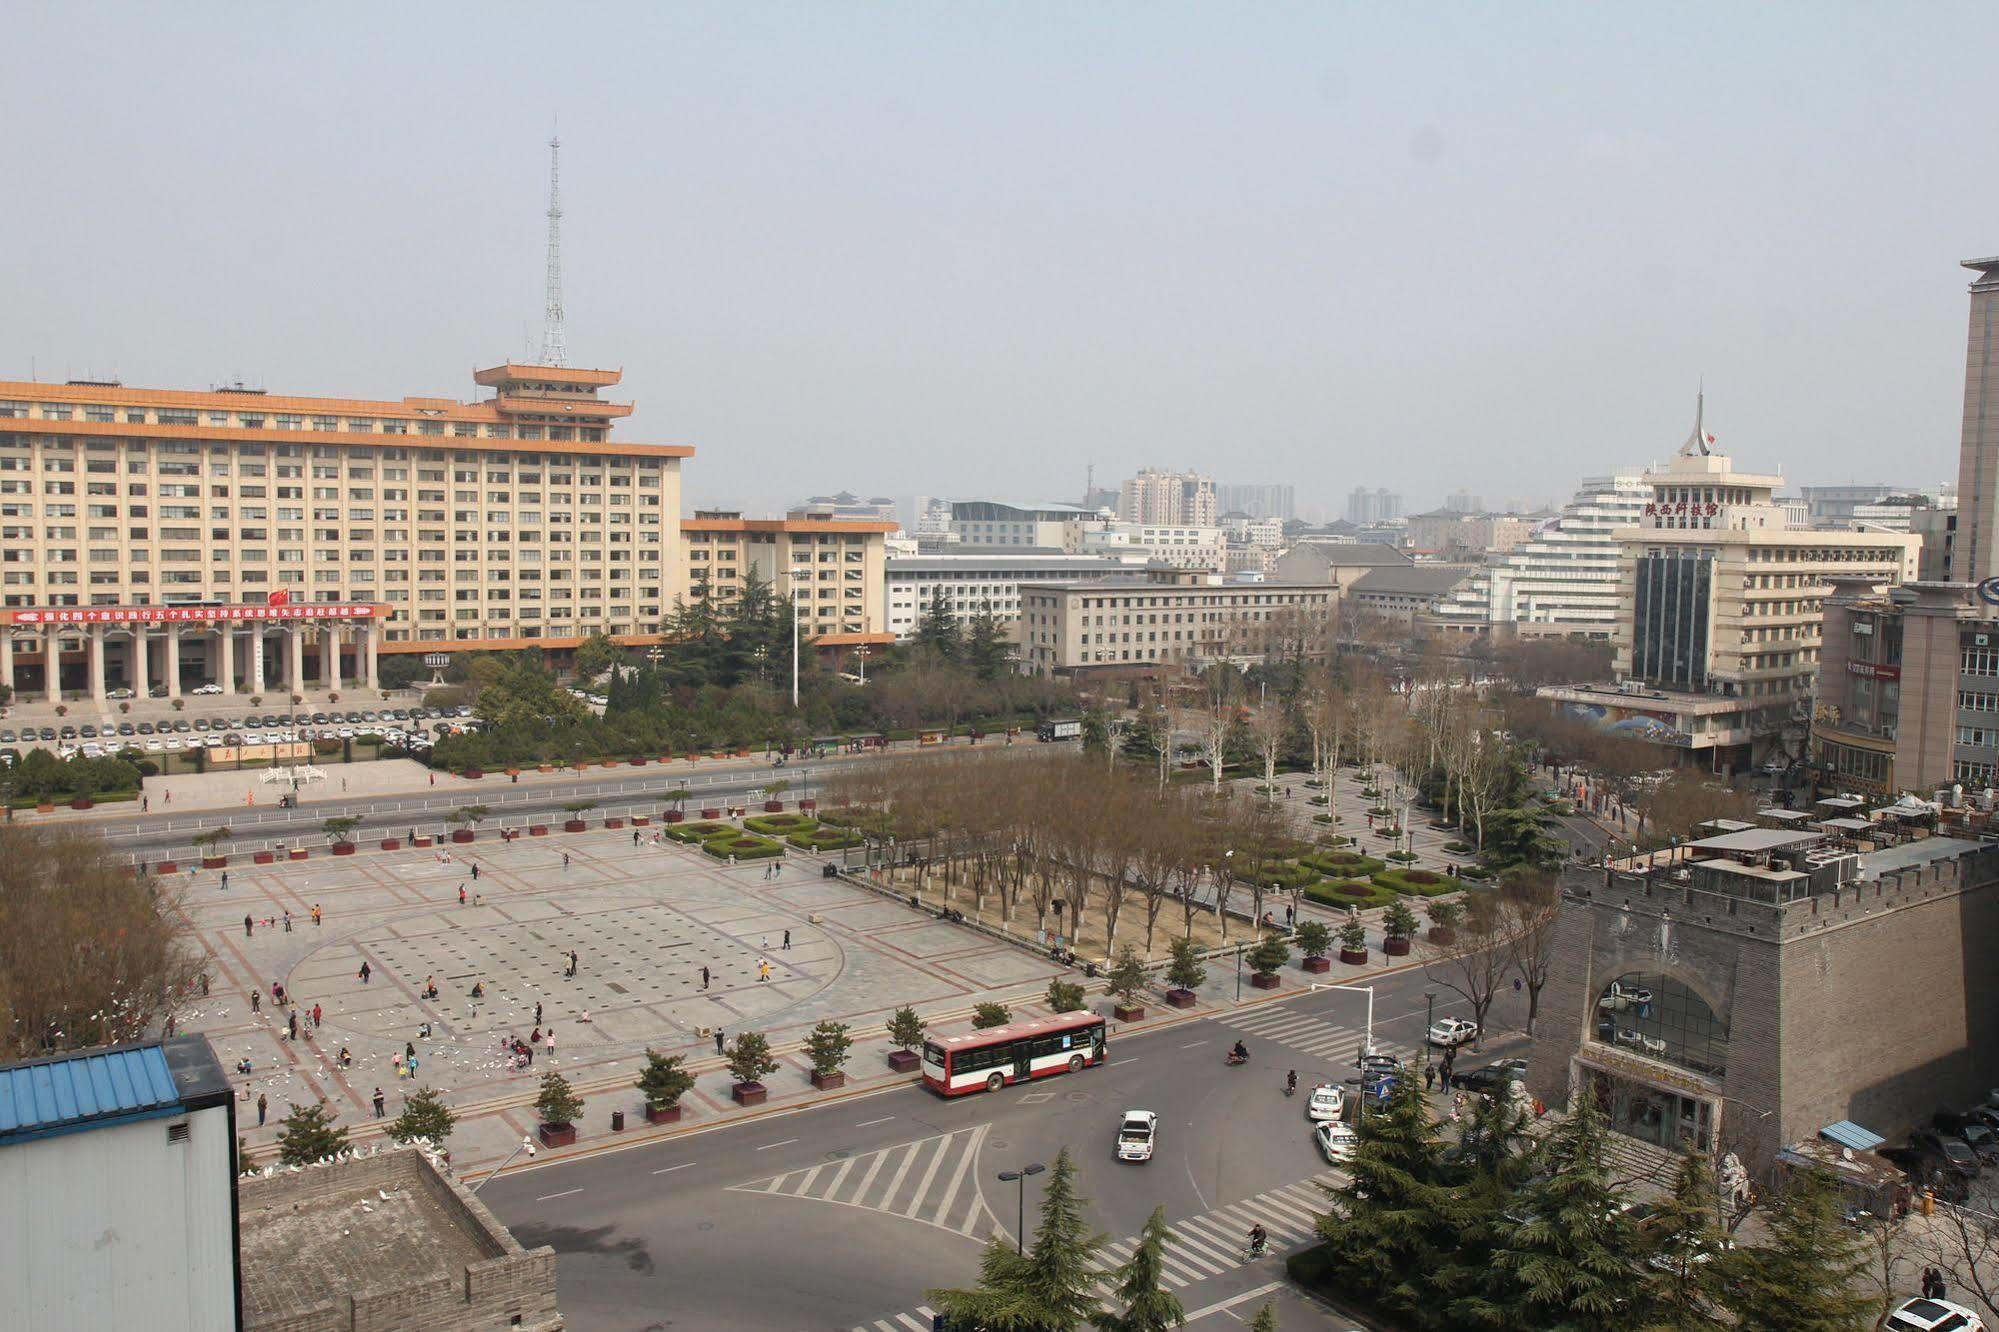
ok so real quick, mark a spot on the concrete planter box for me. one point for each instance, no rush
(1263, 980)
(461, 835)
(263, 857)
(1354, 957)
(392, 844)
(614, 823)
(828, 1081)
(641, 820)
(1128, 1012)
(45, 808)
(298, 853)
(1317, 966)
(1180, 998)
(808, 804)
(557, 1135)
(81, 802)
(343, 848)
(473, 774)
(674, 815)
(710, 812)
(749, 1093)
(1443, 934)
(667, 1114)
(1395, 946)
(610, 763)
(638, 763)
(214, 862)
(773, 806)
(904, 1061)
(544, 767)
(166, 867)
(537, 830)
(572, 825)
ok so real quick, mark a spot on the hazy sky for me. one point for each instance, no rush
(954, 248)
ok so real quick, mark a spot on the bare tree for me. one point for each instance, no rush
(1477, 966)
(1530, 903)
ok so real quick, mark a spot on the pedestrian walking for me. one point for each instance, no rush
(316, 915)
(548, 1042)
(291, 1022)
(1429, 1077)
(1290, 917)
(764, 946)
(315, 1017)
(248, 926)
(365, 972)
(288, 922)
(704, 977)
(225, 881)
(475, 871)
(263, 1108)
(144, 805)
(787, 938)
(461, 894)
(409, 1050)
(565, 860)
(256, 1001)
(635, 837)
(763, 970)
(718, 1040)
(572, 963)
(537, 1015)
(378, 1102)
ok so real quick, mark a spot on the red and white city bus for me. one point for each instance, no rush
(990, 1059)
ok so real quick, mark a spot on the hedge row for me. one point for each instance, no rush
(1345, 864)
(1283, 874)
(1350, 893)
(1417, 883)
(743, 846)
(777, 825)
(824, 839)
(696, 832)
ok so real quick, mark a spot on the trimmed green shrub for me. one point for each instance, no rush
(777, 825)
(696, 832)
(824, 839)
(1316, 800)
(1322, 818)
(743, 846)
(1352, 893)
(1417, 883)
(1404, 856)
(1344, 864)
(1281, 873)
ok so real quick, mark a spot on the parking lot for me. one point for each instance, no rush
(408, 729)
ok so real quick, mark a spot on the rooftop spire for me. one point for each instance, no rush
(1697, 443)
(554, 338)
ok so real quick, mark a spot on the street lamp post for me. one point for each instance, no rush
(1019, 1178)
(527, 1145)
(1429, 1020)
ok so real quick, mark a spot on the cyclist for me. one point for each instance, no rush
(1257, 1241)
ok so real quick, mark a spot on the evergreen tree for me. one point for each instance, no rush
(750, 645)
(556, 1103)
(1143, 737)
(1808, 1276)
(1266, 1318)
(1148, 1306)
(988, 648)
(1096, 731)
(309, 1135)
(424, 1116)
(1049, 1288)
(1683, 1278)
(1392, 1227)
(937, 628)
(1569, 1263)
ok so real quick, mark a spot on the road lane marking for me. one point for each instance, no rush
(895, 1184)
(865, 1123)
(786, 1143)
(1221, 1306)
(670, 1169)
(1191, 1044)
(564, 1194)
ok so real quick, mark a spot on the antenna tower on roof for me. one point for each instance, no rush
(554, 338)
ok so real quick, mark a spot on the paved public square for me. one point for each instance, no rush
(643, 920)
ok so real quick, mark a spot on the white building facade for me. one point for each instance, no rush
(971, 583)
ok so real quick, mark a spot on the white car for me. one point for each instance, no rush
(1452, 1032)
(203, 691)
(1135, 1135)
(1326, 1102)
(155, 747)
(1924, 1314)
(1336, 1142)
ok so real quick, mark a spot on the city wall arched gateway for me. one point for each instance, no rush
(168, 651)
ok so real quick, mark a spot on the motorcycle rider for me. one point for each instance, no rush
(1240, 1053)
(1291, 1082)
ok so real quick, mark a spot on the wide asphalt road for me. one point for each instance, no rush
(841, 1216)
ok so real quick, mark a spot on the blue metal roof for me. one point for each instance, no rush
(54, 1095)
(1849, 1134)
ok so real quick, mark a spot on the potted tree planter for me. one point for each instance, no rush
(81, 802)
(906, 1030)
(1264, 960)
(336, 831)
(537, 830)
(1314, 941)
(663, 1082)
(1184, 973)
(750, 1060)
(473, 774)
(772, 804)
(392, 844)
(641, 820)
(674, 816)
(559, 1109)
(614, 822)
(1353, 940)
(1127, 983)
(166, 867)
(827, 1048)
(1444, 921)
(576, 809)
(208, 842)
(1400, 925)
(467, 818)
(710, 812)
(262, 857)
(422, 840)
(299, 853)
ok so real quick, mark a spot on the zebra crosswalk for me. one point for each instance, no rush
(931, 1180)
(1202, 1246)
(1331, 1042)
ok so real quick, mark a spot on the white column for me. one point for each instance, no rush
(329, 666)
(7, 659)
(257, 658)
(368, 664)
(139, 677)
(94, 641)
(224, 647)
(52, 657)
(173, 661)
(295, 657)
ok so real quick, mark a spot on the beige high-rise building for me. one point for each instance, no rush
(1168, 499)
(1975, 556)
(834, 570)
(1172, 620)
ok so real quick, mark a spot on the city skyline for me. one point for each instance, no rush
(775, 250)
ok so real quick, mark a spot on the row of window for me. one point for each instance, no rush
(106, 414)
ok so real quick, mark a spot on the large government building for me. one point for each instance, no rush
(160, 540)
